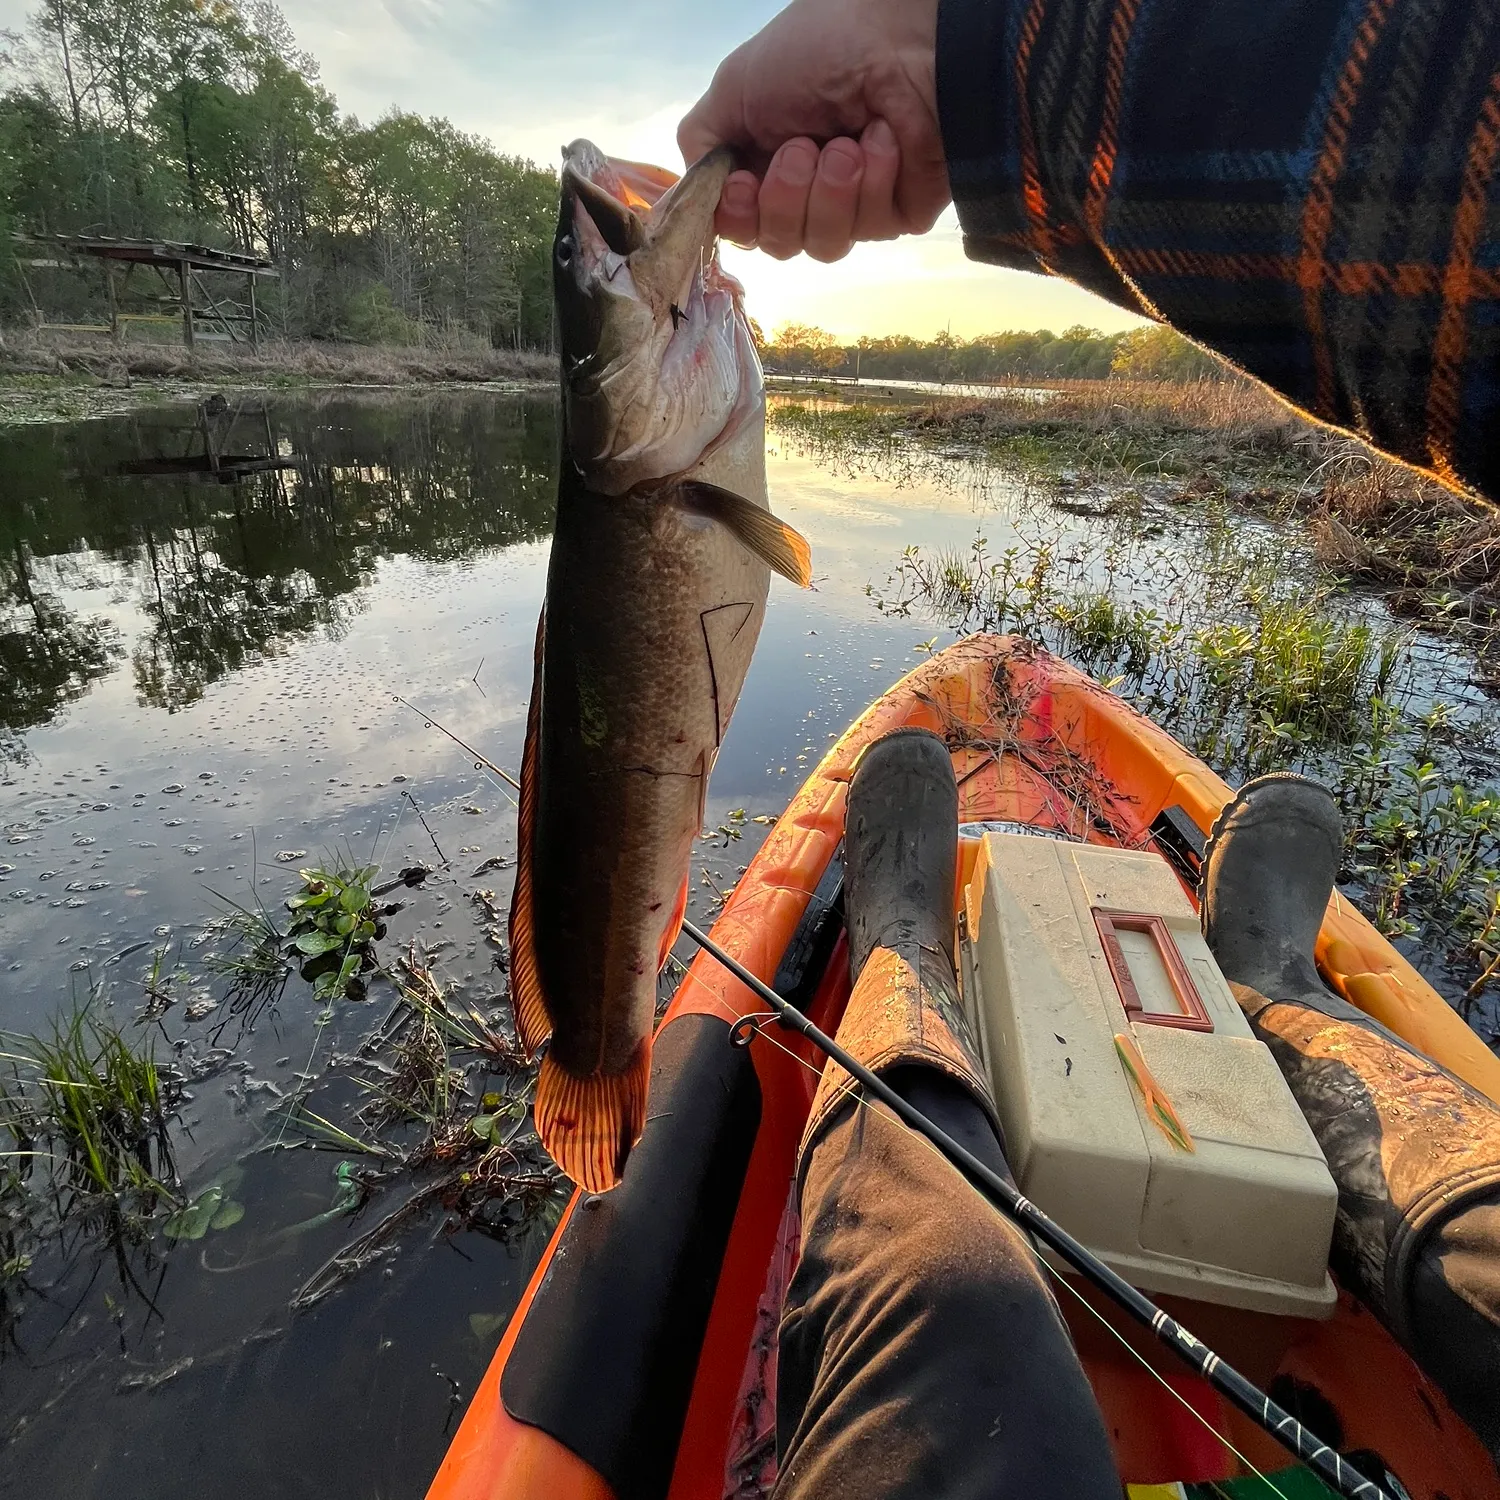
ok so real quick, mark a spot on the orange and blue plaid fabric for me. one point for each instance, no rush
(1308, 187)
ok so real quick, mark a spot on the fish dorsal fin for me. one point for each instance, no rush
(533, 1025)
(590, 1125)
(776, 544)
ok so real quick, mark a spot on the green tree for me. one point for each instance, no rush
(1158, 353)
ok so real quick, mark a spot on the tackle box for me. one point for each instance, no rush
(1139, 1109)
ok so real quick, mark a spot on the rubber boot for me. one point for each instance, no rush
(904, 1019)
(920, 1350)
(1415, 1152)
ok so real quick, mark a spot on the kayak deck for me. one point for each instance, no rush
(1034, 742)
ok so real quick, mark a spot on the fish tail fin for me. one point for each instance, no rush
(533, 1024)
(590, 1125)
(673, 929)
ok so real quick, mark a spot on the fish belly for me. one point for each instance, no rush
(652, 617)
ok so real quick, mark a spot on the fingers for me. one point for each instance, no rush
(784, 192)
(877, 218)
(834, 199)
(738, 219)
(809, 200)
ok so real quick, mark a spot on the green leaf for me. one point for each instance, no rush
(192, 1222)
(315, 944)
(346, 923)
(484, 1126)
(354, 899)
(230, 1213)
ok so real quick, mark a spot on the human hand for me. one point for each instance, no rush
(857, 76)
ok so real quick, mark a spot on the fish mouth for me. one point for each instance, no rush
(659, 368)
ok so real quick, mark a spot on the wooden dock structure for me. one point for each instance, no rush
(179, 267)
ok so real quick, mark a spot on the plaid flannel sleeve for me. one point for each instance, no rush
(1305, 186)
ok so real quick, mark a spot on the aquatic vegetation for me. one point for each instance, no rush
(1256, 668)
(250, 955)
(213, 1209)
(329, 940)
(445, 1107)
(333, 927)
(85, 1146)
(1238, 660)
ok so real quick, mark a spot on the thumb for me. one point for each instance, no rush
(718, 118)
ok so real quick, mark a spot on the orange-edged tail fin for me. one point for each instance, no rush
(673, 929)
(533, 1025)
(589, 1125)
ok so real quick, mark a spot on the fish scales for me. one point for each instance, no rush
(660, 568)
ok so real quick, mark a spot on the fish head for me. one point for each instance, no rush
(658, 365)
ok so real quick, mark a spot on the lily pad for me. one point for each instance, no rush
(314, 944)
(192, 1222)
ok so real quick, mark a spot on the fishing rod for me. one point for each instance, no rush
(1253, 1402)
(1248, 1398)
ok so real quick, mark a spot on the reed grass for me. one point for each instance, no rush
(85, 1142)
(1434, 552)
(1256, 668)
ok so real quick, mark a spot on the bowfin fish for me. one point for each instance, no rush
(656, 589)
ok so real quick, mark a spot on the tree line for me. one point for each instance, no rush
(1151, 353)
(202, 121)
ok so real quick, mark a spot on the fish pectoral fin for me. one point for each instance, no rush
(589, 1126)
(776, 544)
(533, 1024)
(673, 930)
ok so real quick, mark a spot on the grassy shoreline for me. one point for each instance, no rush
(67, 380)
(1433, 554)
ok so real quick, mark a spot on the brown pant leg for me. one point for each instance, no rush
(921, 1353)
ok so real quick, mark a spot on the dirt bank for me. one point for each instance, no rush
(61, 380)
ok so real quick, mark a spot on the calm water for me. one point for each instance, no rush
(196, 696)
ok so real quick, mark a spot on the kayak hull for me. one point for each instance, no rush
(1033, 741)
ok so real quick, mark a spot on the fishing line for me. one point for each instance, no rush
(849, 1091)
(481, 762)
(1254, 1403)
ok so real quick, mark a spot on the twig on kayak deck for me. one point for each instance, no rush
(1253, 1402)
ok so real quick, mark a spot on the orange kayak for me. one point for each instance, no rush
(640, 1362)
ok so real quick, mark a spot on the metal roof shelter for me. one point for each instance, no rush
(171, 261)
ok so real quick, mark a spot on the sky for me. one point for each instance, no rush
(532, 74)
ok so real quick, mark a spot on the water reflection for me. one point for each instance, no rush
(49, 654)
(201, 580)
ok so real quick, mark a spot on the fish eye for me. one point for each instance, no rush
(565, 250)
